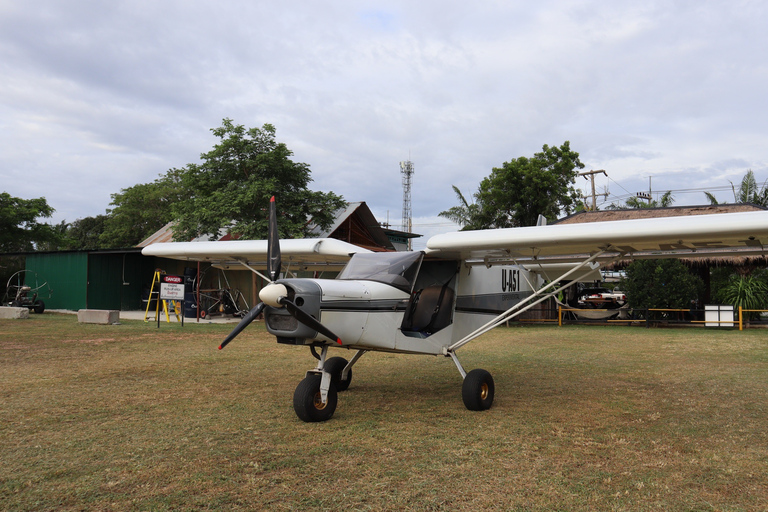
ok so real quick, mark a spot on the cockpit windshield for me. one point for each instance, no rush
(398, 269)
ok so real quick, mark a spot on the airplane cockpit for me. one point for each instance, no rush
(398, 269)
(431, 285)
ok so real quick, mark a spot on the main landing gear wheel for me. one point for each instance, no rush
(335, 366)
(307, 401)
(477, 390)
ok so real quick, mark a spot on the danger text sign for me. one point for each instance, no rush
(171, 287)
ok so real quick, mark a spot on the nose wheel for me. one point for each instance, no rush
(308, 400)
(316, 396)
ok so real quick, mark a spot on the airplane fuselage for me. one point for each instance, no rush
(440, 303)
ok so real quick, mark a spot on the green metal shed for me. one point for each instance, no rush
(93, 279)
(67, 276)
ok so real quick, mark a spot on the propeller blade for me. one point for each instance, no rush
(273, 244)
(247, 319)
(274, 264)
(307, 319)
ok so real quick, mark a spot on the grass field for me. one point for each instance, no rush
(131, 417)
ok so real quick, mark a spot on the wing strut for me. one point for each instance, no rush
(526, 304)
(246, 265)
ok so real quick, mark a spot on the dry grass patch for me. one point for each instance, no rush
(131, 417)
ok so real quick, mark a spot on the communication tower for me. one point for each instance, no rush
(406, 169)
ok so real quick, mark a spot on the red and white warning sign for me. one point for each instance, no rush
(171, 287)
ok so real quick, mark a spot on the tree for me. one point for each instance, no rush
(141, 210)
(661, 284)
(19, 229)
(516, 193)
(232, 187)
(60, 241)
(746, 291)
(85, 233)
(748, 191)
(466, 214)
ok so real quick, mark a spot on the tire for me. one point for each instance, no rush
(39, 307)
(335, 366)
(478, 390)
(307, 403)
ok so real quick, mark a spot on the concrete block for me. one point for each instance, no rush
(15, 313)
(98, 316)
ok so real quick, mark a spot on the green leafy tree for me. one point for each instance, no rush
(20, 230)
(661, 284)
(466, 214)
(232, 186)
(85, 233)
(516, 193)
(9, 265)
(747, 192)
(140, 210)
(59, 241)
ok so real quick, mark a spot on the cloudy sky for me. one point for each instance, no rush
(98, 96)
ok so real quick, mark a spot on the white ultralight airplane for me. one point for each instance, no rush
(436, 301)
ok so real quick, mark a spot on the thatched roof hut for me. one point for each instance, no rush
(651, 213)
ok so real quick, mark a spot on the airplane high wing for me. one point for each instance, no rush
(591, 245)
(299, 254)
(434, 302)
(667, 237)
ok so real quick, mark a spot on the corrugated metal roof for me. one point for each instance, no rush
(164, 234)
(358, 209)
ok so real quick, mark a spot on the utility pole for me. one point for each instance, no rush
(647, 196)
(591, 175)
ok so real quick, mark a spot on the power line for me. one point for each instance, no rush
(433, 224)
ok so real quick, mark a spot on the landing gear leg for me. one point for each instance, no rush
(315, 397)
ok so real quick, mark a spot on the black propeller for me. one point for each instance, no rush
(274, 261)
(307, 319)
(247, 319)
(273, 270)
(274, 264)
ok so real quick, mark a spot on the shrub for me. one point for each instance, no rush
(661, 284)
(747, 292)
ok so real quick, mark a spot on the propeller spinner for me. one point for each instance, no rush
(276, 294)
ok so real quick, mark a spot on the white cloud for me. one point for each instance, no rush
(98, 96)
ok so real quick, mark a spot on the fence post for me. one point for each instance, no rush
(740, 324)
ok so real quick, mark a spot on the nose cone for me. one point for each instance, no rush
(272, 293)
